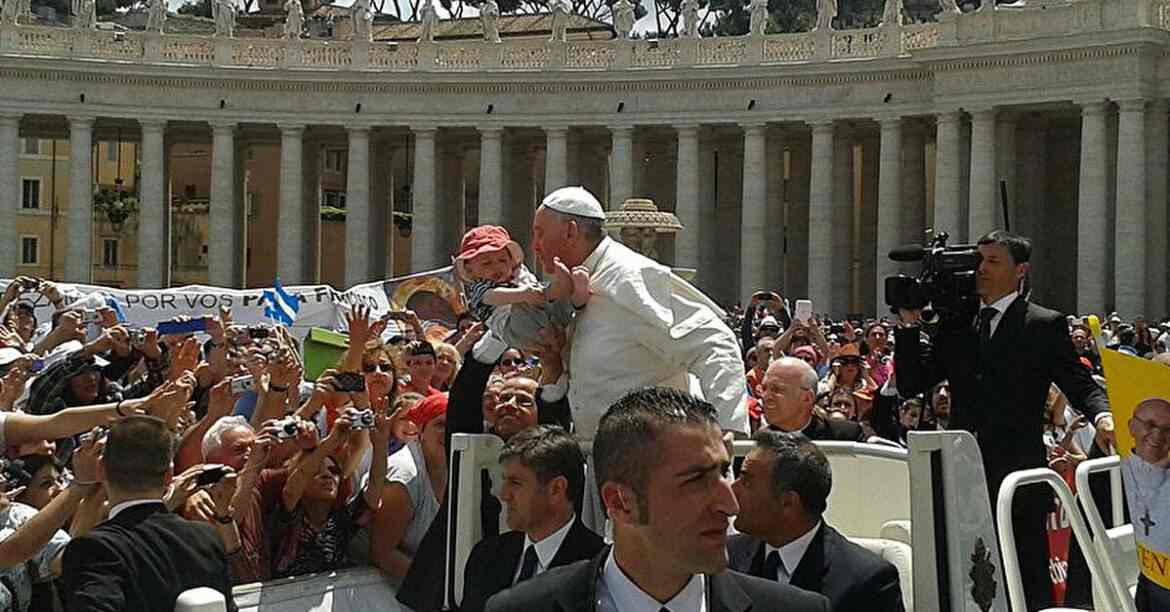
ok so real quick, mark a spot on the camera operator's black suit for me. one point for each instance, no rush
(999, 394)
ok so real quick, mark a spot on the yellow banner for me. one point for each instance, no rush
(1139, 395)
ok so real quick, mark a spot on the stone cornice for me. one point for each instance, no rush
(705, 79)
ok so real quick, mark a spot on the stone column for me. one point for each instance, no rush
(841, 257)
(752, 238)
(1005, 155)
(1156, 217)
(222, 251)
(1092, 212)
(491, 185)
(913, 216)
(357, 207)
(153, 250)
(947, 174)
(556, 158)
(889, 213)
(79, 249)
(686, 243)
(621, 173)
(10, 197)
(290, 240)
(311, 217)
(820, 214)
(427, 236)
(1130, 238)
(981, 216)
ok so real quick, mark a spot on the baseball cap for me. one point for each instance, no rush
(575, 201)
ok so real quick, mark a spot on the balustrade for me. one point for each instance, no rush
(1004, 23)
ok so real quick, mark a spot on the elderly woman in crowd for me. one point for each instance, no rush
(446, 366)
(313, 521)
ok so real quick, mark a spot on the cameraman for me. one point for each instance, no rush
(1000, 365)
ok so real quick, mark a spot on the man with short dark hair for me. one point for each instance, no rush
(143, 557)
(1001, 358)
(783, 489)
(662, 470)
(543, 481)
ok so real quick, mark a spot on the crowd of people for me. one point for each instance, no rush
(141, 464)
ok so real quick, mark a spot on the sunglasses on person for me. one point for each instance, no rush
(849, 360)
(512, 362)
(370, 368)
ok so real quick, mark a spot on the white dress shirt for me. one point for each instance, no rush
(1001, 305)
(792, 552)
(546, 549)
(617, 593)
(645, 327)
(130, 503)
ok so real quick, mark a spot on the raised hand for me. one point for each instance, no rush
(85, 457)
(119, 340)
(185, 359)
(359, 324)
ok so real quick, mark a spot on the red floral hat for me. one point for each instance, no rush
(485, 239)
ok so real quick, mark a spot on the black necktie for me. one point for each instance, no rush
(528, 567)
(772, 566)
(986, 314)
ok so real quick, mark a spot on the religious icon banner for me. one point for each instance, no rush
(1139, 394)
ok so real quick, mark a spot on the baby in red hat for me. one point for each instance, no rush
(501, 291)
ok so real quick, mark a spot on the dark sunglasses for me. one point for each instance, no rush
(377, 367)
(511, 363)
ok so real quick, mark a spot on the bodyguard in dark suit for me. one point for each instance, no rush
(144, 556)
(1000, 364)
(543, 475)
(661, 468)
(789, 392)
(783, 489)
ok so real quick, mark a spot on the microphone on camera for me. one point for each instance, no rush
(908, 252)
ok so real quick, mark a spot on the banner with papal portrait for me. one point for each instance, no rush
(1139, 395)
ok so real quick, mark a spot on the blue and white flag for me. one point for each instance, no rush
(281, 306)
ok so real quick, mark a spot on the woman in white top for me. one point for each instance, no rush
(416, 479)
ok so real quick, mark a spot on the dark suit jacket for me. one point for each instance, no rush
(493, 562)
(833, 430)
(852, 577)
(573, 588)
(999, 395)
(142, 559)
(425, 582)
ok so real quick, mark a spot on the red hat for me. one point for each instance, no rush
(427, 409)
(486, 239)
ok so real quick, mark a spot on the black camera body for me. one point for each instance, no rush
(946, 283)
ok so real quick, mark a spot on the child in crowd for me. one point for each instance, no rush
(501, 291)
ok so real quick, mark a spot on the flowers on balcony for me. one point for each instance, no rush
(116, 205)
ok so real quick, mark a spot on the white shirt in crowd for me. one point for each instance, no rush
(644, 327)
(792, 552)
(546, 549)
(617, 593)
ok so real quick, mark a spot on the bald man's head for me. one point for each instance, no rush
(1150, 427)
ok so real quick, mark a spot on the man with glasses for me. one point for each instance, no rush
(789, 392)
(1145, 473)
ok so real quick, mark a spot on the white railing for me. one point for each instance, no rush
(885, 41)
(1007, 534)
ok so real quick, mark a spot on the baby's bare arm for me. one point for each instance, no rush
(514, 295)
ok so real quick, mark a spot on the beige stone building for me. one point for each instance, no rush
(795, 161)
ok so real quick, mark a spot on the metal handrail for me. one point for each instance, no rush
(1007, 534)
(1097, 527)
